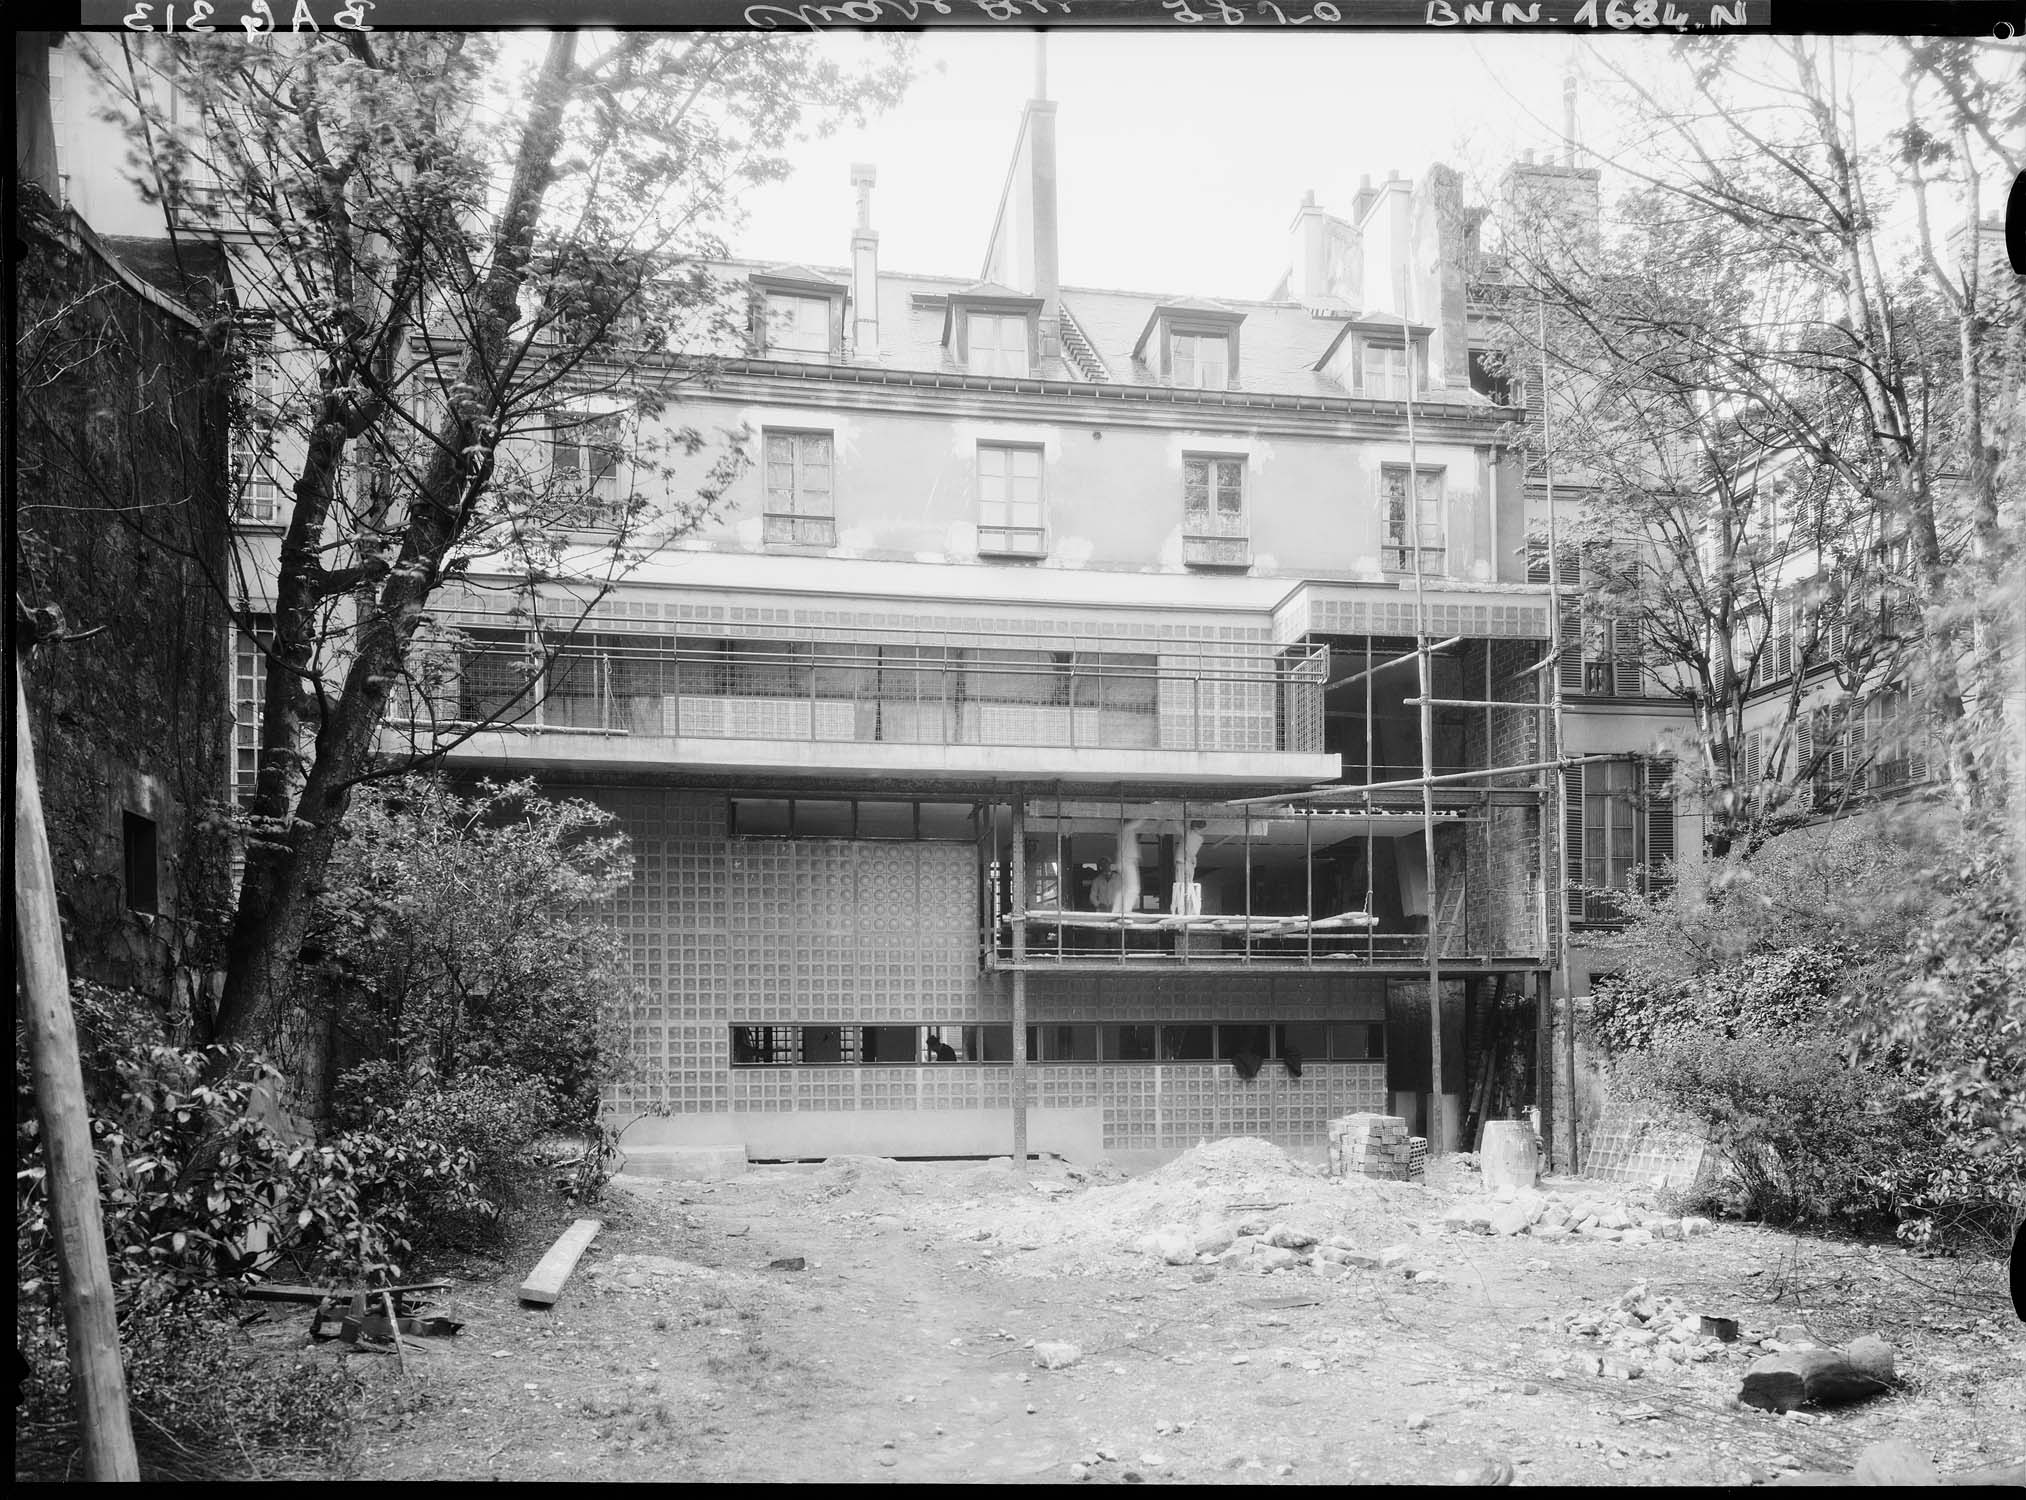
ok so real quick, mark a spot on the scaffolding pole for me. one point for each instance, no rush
(1424, 655)
(1018, 905)
(1408, 783)
(1558, 926)
(1454, 640)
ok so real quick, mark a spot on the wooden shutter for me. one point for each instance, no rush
(1628, 672)
(1916, 731)
(1569, 671)
(1572, 845)
(1780, 646)
(1536, 425)
(1753, 753)
(1804, 746)
(1659, 787)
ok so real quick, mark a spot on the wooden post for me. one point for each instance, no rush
(98, 1383)
(1544, 1063)
(1018, 903)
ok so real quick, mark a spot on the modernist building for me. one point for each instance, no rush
(1061, 651)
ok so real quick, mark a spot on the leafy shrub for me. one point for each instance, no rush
(186, 1173)
(1801, 1134)
(206, 1403)
(460, 931)
(446, 1157)
(1767, 992)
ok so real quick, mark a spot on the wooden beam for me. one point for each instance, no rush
(98, 1381)
(545, 1282)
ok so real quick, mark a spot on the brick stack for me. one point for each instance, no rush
(1367, 1145)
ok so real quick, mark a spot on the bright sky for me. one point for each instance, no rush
(1183, 155)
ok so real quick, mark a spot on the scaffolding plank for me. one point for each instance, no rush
(545, 1282)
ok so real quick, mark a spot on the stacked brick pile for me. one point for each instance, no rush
(1367, 1145)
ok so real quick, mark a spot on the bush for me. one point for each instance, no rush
(445, 1158)
(185, 1176)
(206, 1402)
(475, 931)
(1767, 992)
(1801, 1134)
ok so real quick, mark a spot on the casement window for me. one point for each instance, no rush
(1416, 525)
(1214, 531)
(1499, 388)
(249, 694)
(801, 503)
(796, 325)
(584, 459)
(1201, 360)
(140, 851)
(1603, 655)
(1867, 749)
(255, 478)
(1386, 372)
(996, 343)
(1011, 518)
(1620, 821)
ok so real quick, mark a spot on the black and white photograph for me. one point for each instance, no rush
(1019, 741)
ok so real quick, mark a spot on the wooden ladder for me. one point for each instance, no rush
(1447, 931)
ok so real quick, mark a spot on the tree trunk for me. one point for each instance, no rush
(281, 886)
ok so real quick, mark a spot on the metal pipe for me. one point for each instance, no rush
(1018, 904)
(1454, 640)
(1560, 924)
(1331, 793)
(1485, 703)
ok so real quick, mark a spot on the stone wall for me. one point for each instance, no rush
(122, 527)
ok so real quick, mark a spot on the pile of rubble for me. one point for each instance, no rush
(1550, 1215)
(1640, 1331)
(1254, 1244)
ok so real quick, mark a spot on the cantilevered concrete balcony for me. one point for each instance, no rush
(955, 710)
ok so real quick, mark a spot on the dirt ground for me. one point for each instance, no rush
(902, 1350)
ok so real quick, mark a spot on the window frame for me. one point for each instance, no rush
(256, 492)
(1195, 336)
(802, 528)
(1202, 543)
(823, 304)
(1393, 548)
(976, 320)
(1001, 540)
(596, 443)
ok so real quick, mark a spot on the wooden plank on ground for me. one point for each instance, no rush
(545, 1282)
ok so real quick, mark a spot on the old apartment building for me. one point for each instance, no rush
(1169, 672)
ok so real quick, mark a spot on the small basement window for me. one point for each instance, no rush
(141, 856)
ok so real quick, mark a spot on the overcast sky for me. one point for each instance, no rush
(1183, 156)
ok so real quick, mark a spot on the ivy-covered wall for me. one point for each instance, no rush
(122, 534)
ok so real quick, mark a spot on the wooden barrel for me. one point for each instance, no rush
(1508, 1155)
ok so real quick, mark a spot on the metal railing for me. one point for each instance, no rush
(1087, 694)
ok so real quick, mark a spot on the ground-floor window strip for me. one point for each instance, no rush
(903, 1044)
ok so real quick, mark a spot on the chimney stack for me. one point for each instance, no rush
(864, 268)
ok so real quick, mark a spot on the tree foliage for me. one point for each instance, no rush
(457, 248)
(460, 932)
(1787, 412)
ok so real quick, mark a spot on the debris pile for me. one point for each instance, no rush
(1552, 1215)
(1640, 1330)
(1235, 1202)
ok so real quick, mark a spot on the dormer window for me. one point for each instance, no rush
(993, 330)
(1375, 357)
(799, 325)
(1202, 360)
(997, 344)
(798, 314)
(1192, 344)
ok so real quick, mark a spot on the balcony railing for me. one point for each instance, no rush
(1108, 695)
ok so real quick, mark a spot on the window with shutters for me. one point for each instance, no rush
(1603, 655)
(1620, 823)
(1214, 532)
(1414, 530)
(801, 506)
(1011, 518)
(1867, 749)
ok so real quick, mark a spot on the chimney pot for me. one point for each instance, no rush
(1308, 198)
